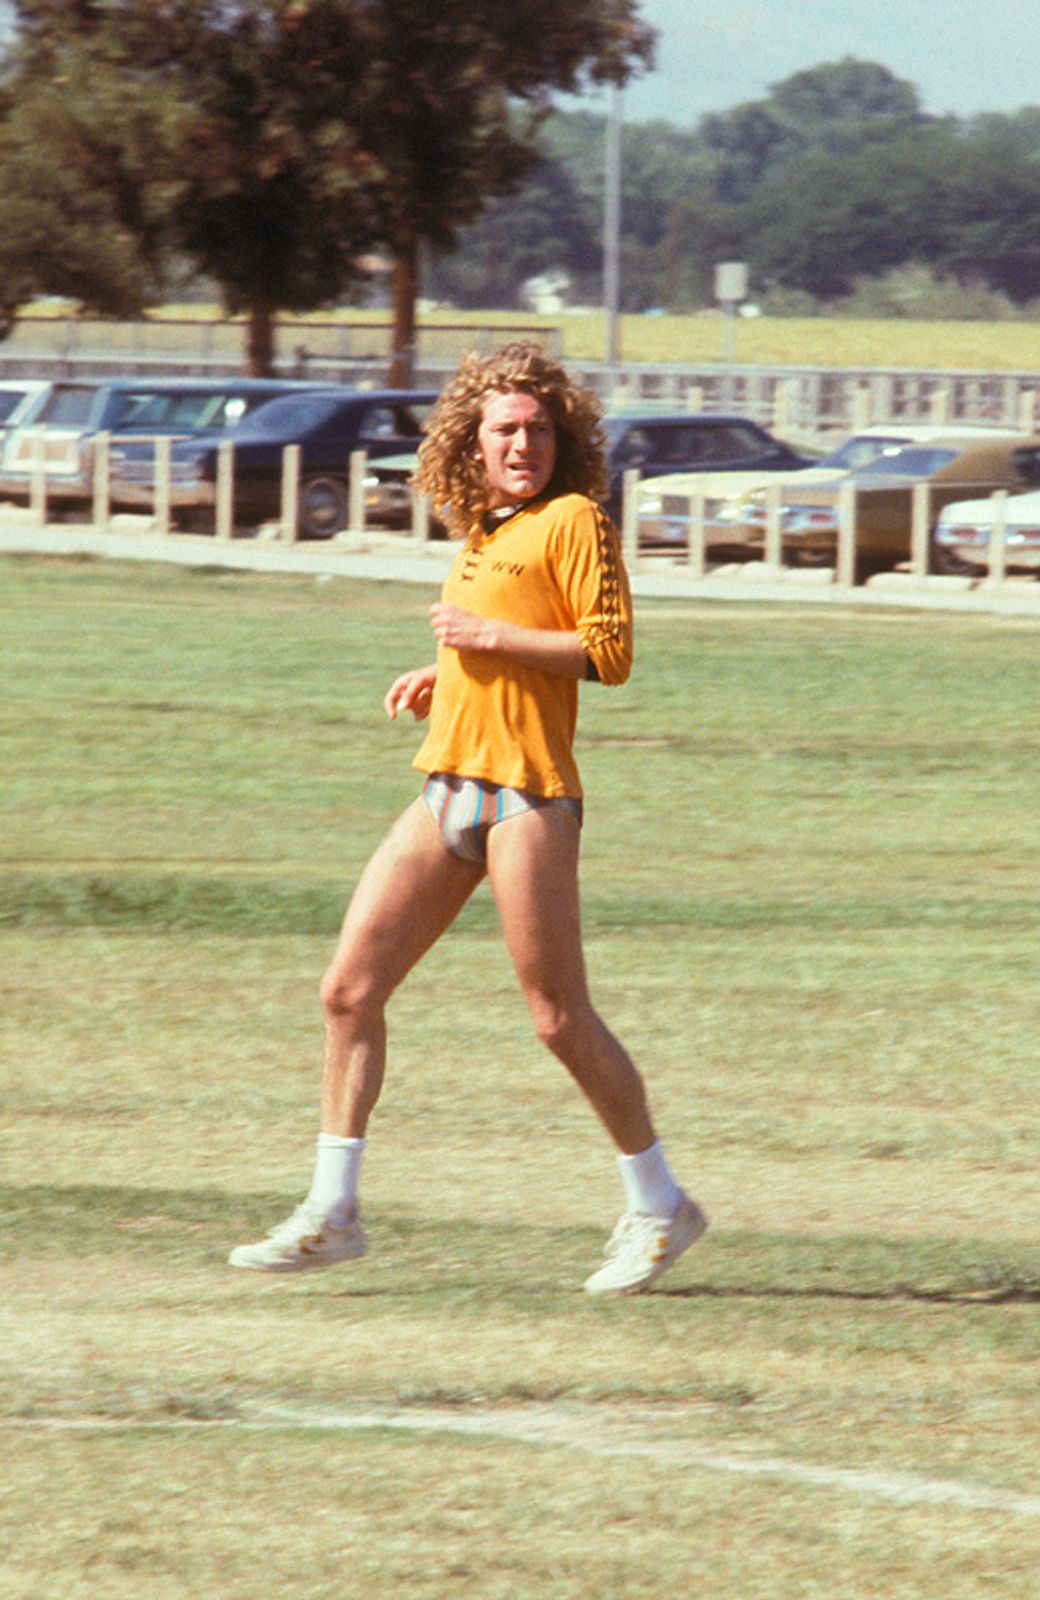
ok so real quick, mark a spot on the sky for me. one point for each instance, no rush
(963, 56)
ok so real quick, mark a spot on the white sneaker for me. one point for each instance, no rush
(305, 1240)
(642, 1247)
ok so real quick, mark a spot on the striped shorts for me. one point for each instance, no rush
(465, 809)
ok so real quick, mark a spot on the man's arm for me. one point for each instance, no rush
(546, 649)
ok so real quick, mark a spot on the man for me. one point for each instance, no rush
(536, 601)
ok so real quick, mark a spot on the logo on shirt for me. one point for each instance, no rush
(472, 564)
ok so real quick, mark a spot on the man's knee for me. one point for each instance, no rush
(348, 994)
(560, 1023)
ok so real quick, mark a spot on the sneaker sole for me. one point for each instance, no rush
(304, 1263)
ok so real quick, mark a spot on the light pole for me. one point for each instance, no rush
(612, 233)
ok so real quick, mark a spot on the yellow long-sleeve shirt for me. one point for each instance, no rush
(557, 565)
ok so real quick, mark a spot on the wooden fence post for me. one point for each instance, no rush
(420, 517)
(630, 517)
(161, 484)
(845, 558)
(920, 521)
(997, 552)
(38, 481)
(358, 469)
(289, 521)
(774, 545)
(225, 507)
(101, 499)
(695, 541)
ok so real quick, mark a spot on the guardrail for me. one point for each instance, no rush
(692, 557)
(104, 503)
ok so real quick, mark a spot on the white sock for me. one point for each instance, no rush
(649, 1185)
(337, 1169)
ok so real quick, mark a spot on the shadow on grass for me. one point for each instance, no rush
(251, 905)
(196, 1227)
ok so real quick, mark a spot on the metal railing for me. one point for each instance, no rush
(798, 402)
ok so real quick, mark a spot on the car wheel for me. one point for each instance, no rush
(949, 565)
(809, 558)
(192, 519)
(323, 507)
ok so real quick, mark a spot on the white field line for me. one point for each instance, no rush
(594, 1433)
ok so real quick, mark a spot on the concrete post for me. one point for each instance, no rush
(784, 399)
(862, 407)
(939, 404)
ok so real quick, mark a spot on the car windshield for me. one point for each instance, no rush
(912, 461)
(858, 452)
(9, 399)
(671, 442)
(175, 410)
(298, 413)
(69, 407)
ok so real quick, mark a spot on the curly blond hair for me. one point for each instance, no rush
(450, 470)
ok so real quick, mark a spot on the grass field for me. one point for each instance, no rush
(695, 338)
(821, 942)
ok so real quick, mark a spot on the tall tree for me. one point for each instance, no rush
(455, 90)
(299, 132)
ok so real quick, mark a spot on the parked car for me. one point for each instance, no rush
(327, 423)
(388, 490)
(661, 442)
(884, 498)
(652, 441)
(20, 400)
(664, 504)
(76, 410)
(962, 535)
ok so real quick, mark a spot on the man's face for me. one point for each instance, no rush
(517, 441)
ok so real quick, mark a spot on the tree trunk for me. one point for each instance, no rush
(402, 337)
(260, 341)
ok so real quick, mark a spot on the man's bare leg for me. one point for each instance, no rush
(533, 869)
(409, 893)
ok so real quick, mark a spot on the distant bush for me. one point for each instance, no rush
(914, 292)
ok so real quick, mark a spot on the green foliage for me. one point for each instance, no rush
(296, 134)
(835, 177)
